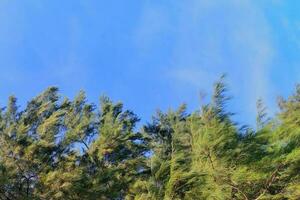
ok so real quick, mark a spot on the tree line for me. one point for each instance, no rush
(56, 148)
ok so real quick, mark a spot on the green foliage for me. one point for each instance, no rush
(56, 148)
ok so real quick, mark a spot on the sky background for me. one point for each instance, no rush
(151, 54)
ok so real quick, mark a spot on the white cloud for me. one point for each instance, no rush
(194, 77)
(215, 37)
(153, 22)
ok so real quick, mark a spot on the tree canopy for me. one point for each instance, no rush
(56, 148)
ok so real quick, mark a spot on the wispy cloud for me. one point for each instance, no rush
(194, 77)
(215, 37)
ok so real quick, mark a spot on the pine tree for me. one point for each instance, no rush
(56, 148)
(117, 153)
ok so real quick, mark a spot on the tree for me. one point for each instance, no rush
(56, 148)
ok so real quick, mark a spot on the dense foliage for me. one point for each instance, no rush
(58, 148)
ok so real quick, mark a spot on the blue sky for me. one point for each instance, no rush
(151, 54)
